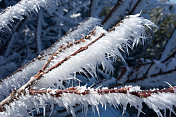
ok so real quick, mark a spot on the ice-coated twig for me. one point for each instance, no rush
(21, 76)
(12, 39)
(112, 41)
(156, 99)
(151, 72)
(83, 28)
(20, 9)
(97, 51)
(61, 49)
(124, 90)
(16, 94)
(21, 91)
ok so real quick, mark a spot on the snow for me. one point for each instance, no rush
(157, 102)
(156, 75)
(75, 15)
(91, 58)
(22, 76)
(22, 8)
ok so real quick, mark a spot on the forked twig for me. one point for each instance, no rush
(21, 91)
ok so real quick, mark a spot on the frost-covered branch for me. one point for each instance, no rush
(21, 76)
(97, 50)
(77, 60)
(99, 45)
(123, 90)
(158, 100)
(147, 74)
(12, 37)
(22, 8)
(59, 50)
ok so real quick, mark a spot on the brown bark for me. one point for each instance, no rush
(124, 90)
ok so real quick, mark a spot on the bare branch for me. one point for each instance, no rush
(169, 47)
(119, 2)
(39, 31)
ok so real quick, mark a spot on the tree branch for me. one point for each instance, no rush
(39, 31)
(23, 7)
(119, 2)
(22, 91)
(124, 90)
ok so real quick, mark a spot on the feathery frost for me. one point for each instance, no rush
(29, 103)
(127, 34)
(153, 74)
(24, 7)
(22, 76)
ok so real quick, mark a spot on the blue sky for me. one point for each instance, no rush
(173, 0)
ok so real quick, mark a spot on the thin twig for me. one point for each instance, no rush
(61, 49)
(119, 2)
(167, 44)
(144, 77)
(90, 8)
(21, 91)
(42, 54)
(134, 7)
(38, 32)
(124, 90)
